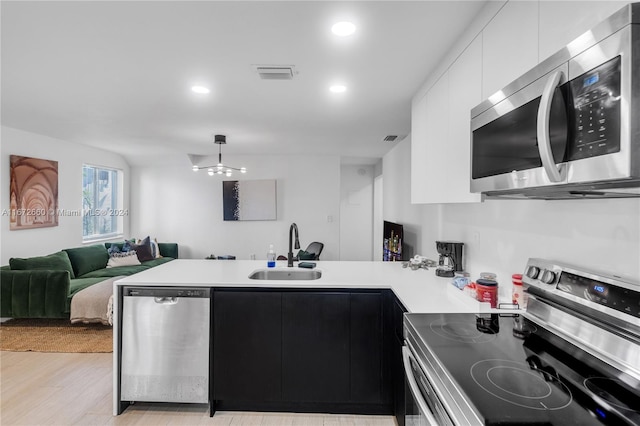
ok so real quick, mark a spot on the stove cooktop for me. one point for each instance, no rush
(516, 372)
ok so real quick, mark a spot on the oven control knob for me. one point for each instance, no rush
(532, 272)
(548, 277)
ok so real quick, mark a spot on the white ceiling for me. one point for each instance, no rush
(118, 74)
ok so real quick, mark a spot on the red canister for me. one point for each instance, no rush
(487, 291)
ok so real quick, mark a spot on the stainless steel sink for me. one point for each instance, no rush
(285, 274)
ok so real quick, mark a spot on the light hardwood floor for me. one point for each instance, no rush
(76, 389)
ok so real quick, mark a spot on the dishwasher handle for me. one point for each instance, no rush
(166, 300)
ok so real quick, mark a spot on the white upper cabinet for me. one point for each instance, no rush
(510, 45)
(440, 133)
(429, 141)
(465, 92)
(563, 21)
(419, 149)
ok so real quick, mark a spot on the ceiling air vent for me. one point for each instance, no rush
(393, 138)
(276, 72)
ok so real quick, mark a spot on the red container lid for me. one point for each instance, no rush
(516, 279)
(487, 283)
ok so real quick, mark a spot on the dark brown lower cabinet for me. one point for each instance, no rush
(370, 377)
(302, 350)
(316, 347)
(397, 367)
(247, 353)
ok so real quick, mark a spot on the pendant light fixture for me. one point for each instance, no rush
(220, 168)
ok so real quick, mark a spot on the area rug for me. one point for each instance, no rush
(54, 335)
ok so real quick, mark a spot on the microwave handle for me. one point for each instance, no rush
(544, 115)
(415, 390)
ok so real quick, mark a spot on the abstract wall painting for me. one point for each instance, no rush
(33, 193)
(249, 199)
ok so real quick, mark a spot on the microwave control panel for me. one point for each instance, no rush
(596, 103)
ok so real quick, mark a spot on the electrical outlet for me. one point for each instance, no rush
(476, 237)
(329, 218)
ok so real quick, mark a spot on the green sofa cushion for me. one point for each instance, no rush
(87, 259)
(168, 250)
(54, 262)
(114, 272)
(156, 262)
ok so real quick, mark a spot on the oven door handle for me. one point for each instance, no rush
(542, 128)
(413, 385)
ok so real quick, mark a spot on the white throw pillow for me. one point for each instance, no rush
(123, 259)
(156, 248)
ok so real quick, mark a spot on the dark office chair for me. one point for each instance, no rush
(312, 252)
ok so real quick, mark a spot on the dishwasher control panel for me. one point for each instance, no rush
(166, 292)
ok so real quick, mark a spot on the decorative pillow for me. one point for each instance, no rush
(55, 262)
(147, 242)
(127, 246)
(88, 259)
(123, 259)
(155, 249)
(153, 245)
(143, 251)
(113, 249)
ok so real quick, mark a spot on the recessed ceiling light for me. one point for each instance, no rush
(200, 89)
(343, 29)
(338, 88)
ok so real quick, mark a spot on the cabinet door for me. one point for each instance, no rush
(397, 366)
(247, 335)
(369, 379)
(510, 45)
(315, 346)
(419, 149)
(465, 92)
(429, 140)
(563, 21)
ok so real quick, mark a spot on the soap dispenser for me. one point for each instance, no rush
(271, 257)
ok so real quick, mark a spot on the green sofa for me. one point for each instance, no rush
(42, 287)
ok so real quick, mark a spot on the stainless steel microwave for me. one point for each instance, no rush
(570, 127)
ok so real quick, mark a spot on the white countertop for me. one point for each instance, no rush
(420, 291)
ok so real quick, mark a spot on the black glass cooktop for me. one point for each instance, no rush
(515, 372)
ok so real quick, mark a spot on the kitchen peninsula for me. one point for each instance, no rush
(330, 344)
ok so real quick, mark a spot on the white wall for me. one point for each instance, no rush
(172, 203)
(420, 221)
(356, 212)
(378, 214)
(500, 235)
(70, 158)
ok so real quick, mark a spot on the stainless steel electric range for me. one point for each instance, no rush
(572, 358)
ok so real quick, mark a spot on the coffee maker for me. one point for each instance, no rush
(450, 260)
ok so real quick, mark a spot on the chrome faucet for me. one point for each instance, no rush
(292, 228)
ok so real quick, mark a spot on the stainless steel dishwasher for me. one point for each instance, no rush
(165, 344)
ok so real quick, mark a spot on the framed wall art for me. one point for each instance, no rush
(249, 199)
(33, 193)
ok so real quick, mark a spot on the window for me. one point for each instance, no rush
(101, 207)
